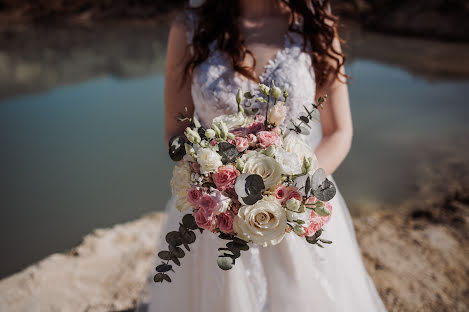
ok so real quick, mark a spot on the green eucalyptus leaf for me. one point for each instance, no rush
(299, 221)
(164, 267)
(248, 95)
(177, 251)
(165, 255)
(225, 262)
(325, 241)
(167, 278)
(322, 211)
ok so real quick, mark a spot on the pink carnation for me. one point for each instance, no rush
(241, 144)
(194, 194)
(225, 177)
(291, 192)
(225, 222)
(204, 221)
(268, 138)
(316, 221)
(252, 140)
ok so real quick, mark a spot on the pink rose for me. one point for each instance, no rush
(257, 125)
(225, 222)
(194, 194)
(208, 203)
(252, 140)
(268, 138)
(241, 144)
(204, 221)
(281, 192)
(291, 192)
(225, 177)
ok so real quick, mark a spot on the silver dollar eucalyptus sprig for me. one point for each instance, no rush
(304, 120)
(185, 236)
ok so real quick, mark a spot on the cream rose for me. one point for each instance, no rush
(208, 159)
(232, 121)
(267, 167)
(263, 223)
(293, 143)
(180, 184)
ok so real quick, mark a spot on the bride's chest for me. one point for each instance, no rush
(215, 83)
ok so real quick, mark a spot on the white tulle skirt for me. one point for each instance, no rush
(291, 276)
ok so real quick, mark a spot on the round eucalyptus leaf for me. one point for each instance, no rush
(326, 191)
(225, 262)
(165, 255)
(176, 147)
(303, 183)
(239, 241)
(250, 188)
(318, 178)
(188, 237)
(167, 278)
(164, 267)
(175, 260)
(158, 278)
(201, 132)
(237, 246)
(228, 152)
(174, 238)
(177, 251)
(189, 221)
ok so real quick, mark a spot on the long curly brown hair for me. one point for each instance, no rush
(217, 21)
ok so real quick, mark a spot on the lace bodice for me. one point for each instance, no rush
(215, 83)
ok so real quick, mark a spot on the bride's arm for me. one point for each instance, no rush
(336, 123)
(177, 97)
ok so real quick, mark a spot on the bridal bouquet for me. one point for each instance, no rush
(247, 180)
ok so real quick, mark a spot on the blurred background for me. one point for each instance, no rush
(82, 112)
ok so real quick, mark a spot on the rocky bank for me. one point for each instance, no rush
(417, 257)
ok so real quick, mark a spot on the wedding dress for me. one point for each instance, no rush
(292, 275)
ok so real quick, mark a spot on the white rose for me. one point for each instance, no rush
(263, 223)
(267, 167)
(288, 161)
(232, 121)
(296, 145)
(277, 114)
(208, 159)
(180, 184)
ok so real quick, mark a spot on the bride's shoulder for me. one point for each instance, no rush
(186, 20)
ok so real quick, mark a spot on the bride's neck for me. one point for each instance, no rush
(259, 8)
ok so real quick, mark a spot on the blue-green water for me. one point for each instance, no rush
(92, 154)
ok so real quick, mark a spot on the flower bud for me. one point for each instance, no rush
(238, 97)
(216, 129)
(189, 150)
(285, 94)
(299, 230)
(293, 204)
(264, 89)
(276, 92)
(239, 164)
(269, 151)
(231, 136)
(223, 130)
(192, 135)
(210, 133)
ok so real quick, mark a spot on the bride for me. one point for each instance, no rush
(213, 50)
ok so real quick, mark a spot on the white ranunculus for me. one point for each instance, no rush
(232, 121)
(263, 223)
(208, 159)
(288, 161)
(180, 184)
(295, 144)
(267, 167)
